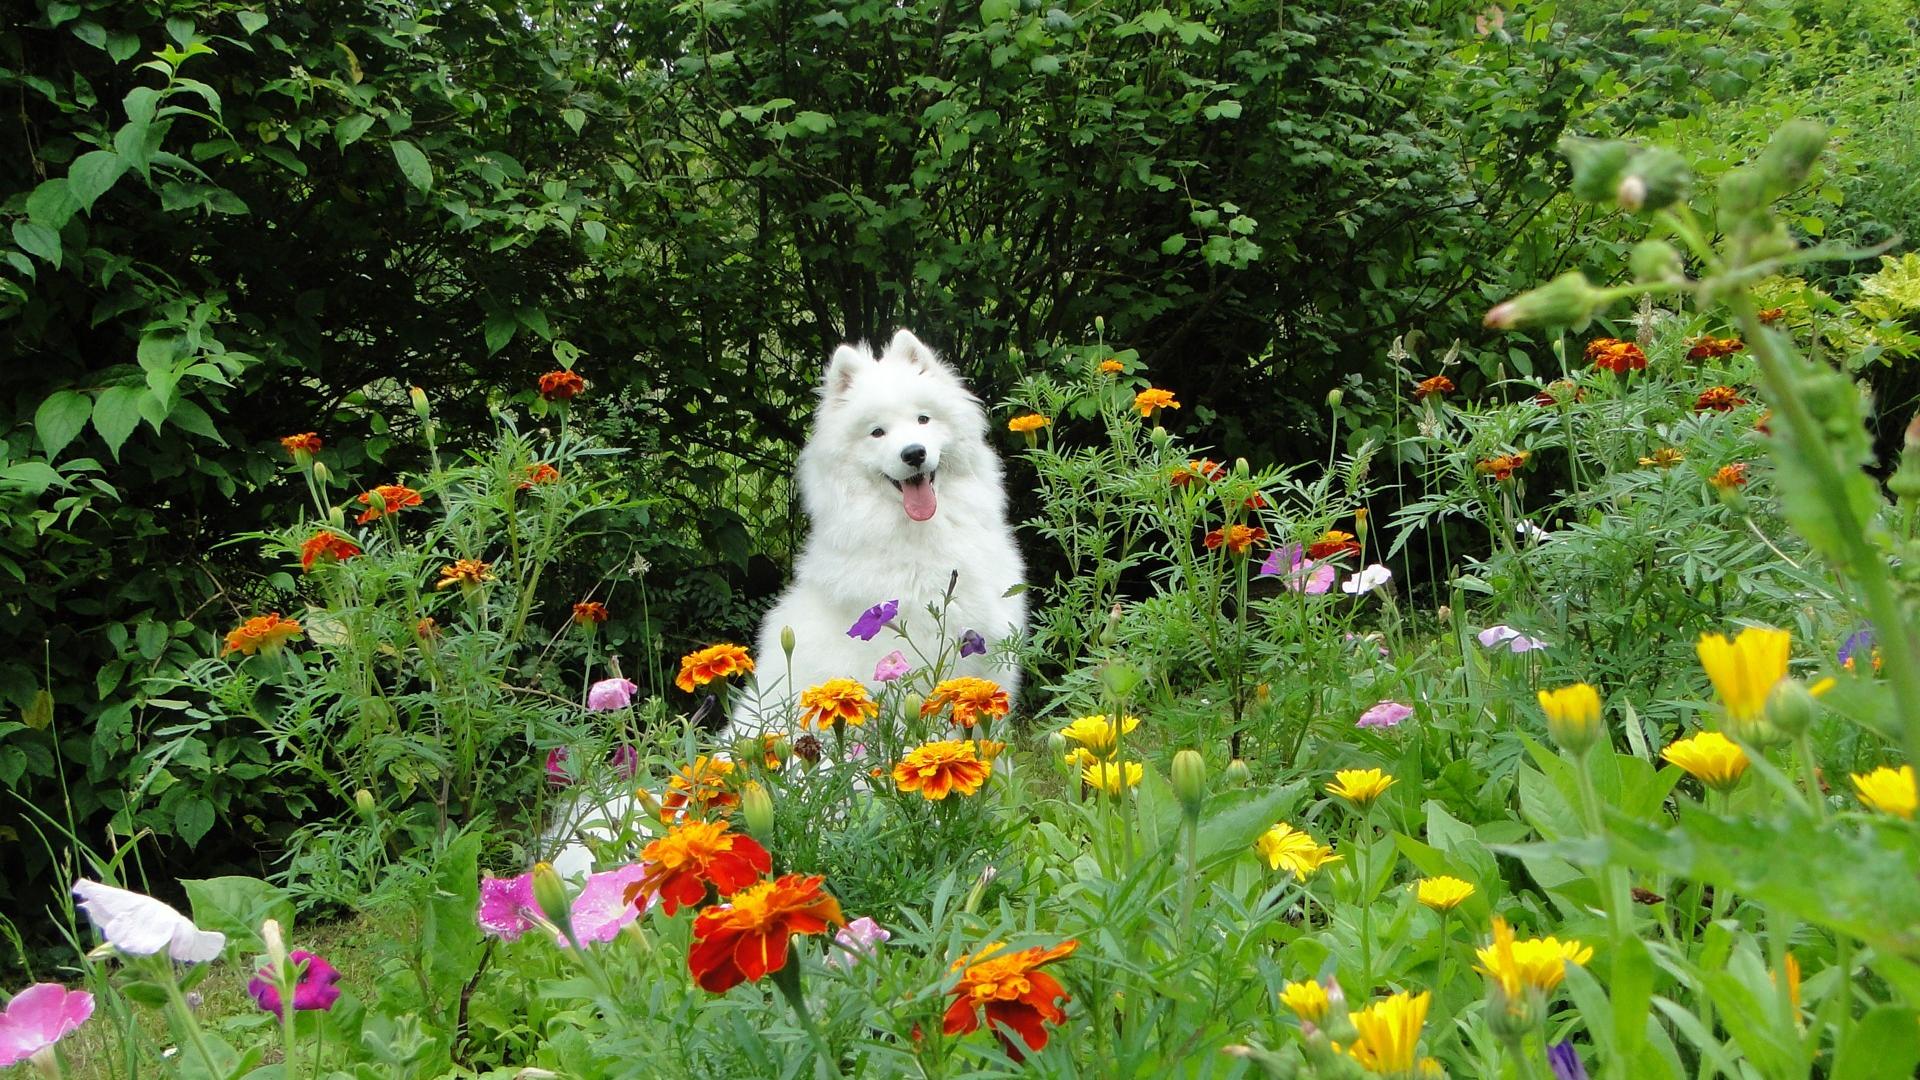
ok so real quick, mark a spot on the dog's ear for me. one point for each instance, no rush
(846, 363)
(911, 350)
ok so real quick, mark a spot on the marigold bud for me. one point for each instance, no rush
(912, 704)
(1335, 397)
(1573, 716)
(336, 517)
(1360, 525)
(551, 896)
(419, 399)
(321, 474)
(1790, 707)
(648, 804)
(1190, 781)
(1241, 468)
(363, 802)
(1238, 774)
(1159, 436)
(1568, 300)
(756, 808)
(787, 641)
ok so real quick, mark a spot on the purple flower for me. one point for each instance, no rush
(313, 988)
(610, 694)
(557, 773)
(1384, 715)
(601, 910)
(972, 644)
(42, 1015)
(1514, 640)
(1565, 1062)
(857, 940)
(1302, 574)
(871, 620)
(891, 666)
(505, 904)
(1859, 643)
(626, 762)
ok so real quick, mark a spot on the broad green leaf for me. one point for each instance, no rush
(1883, 1043)
(236, 906)
(413, 164)
(37, 239)
(499, 329)
(60, 419)
(92, 175)
(116, 412)
(52, 204)
(250, 21)
(348, 131)
(193, 819)
(32, 477)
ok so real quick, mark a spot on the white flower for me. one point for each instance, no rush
(1529, 531)
(139, 925)
(1366, 580)
(1513, 639)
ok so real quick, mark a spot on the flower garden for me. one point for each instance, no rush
(1625, 790)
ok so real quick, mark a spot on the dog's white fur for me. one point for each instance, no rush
(864, 548)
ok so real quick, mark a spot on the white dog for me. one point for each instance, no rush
(904, 492)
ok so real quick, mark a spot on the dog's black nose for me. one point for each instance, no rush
(915, 455)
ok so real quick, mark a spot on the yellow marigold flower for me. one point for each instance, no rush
(713, 662)
(969, 698)
(705, 784)
(1890, 791)
(1709, 757)
(1079, 758)
(1150, 399)
(1111, 366)
(1359, 786)
(1793, 980)
(1534, 964)
(1029, 423)
(1665, 458)
(1389, 1033)
(1729, 477)
(937, 768)
(843, 700)
(1097, 734)
(1443, 893)
(1301, 855)
(1745, 670)
(466, 573)
(1113, 777)
(1573, 716)
(1308, 1000)
(989, 749)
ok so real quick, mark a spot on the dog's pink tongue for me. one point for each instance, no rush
(917, 495)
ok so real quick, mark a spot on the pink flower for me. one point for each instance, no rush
(1513, 639)
(557, 773)
(626, 762)
(857, 940)
(40, 1016)
(1384, 715)
(1301, 573)
(505, 906)
(891, 666)
(601, 910)
(313, 989)
(610, 694)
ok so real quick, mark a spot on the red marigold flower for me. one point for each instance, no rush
(326, 544)
(1708, 347)
(694, 855)
(542, 473)
(969, 698)
(1204, 469)
(836, 701)
(1619, 357)
(386, 499)
(1730, 476)
(750, 936)
(1438, 384)
(1331, 543)
(1256, 501)
(589, 613)
(561, 385)
(308, 443)
(1017, 997)
(262, 633)
(1237, 538)
(1503, 466)
(938, 768)
(713, 662)
(1718, 399)
(1772, 315)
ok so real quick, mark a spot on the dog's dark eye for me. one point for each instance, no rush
(877, 432)
(924, 419)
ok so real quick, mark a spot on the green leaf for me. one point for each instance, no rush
(52, 204)
(193, 819)
(37, 239)
(1882, 1043)
(251, 21)
(413, 164)
(188, 416)
(32, 477)
(449, 941)
(348, 131)
(116, 412)
(60, 419)
(92, 175)
(575, 119)
(38, 715)
(500, 328)
(236, 906)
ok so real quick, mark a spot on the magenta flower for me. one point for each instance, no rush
(601, 910)
(1514, 640)
(1384, 715)
(891, 666)
(557, 773)
(871, 620)
(506, 906)
(626, 762)
(40, 1016)
(857, 940)
(313, 988)
(972, 644)
(610, 694)
(1301, 573)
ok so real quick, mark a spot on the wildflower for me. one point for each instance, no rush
(857, 940)
(1443, 893)
(625, 761)
(505, 904)
(1367, 580)
(1745, 670)
(711, 663)
(1297, 851)
(1150, 399)
(1011, 990)
(262, 633)
(1536, 964)
(326, 544)
(1386, 714)
(1564, 1060)
(561, 385)
(1730, 477)
(1236, 538)
(466, 573)
(1664, 458)
(1769, 316)
(610, 694)
(605, 905)
(1436, 386)
(1709, 757)
(1514, 640)
(1307, 999)
(705, 784)
(938, 768)
(1502, 466)
(1301, 574)
(1718, 399)
(1204, 469)
(692, 856)
(37, 1018)
(1612, 354)
(969, 698)
(304, 445)
(313, 988)
(1098, 734)
(1708, 347)
(537, 475)
(1573, 716)
(589, 613)
(1890, 791)
(972, 644)
(1028, 424)
(750, 936)
(836, 701)
(891, 666)
(1389, 1034)
(1111, 366)
(1331, 543)
(873, 620)
(1360, 786)
(557, 773)
(1112, 777)
(138, 925)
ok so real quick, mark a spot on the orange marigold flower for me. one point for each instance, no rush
(1718, 399)
(466, 573)
(1764, 425)
(1664, 458)
(989, 749)
(1559, 392)
(713, 662)
(750, 936)
(1502, 466)
(1438, 385)
(938, 768)
(1612, 354)
(262, 633)
(1111, 366)
(386, 499)
(704, 784)
(1772, 315)
(1150, 399)
(1017, 997)
(307, 443)
(771, 746)
(1730, 477)
(836, 701)
(542, 473)
(561, 385)
(589, 613)
(1204, 469)
(326, 544)
(426, 629)
(1237, 538)
(1708, 347)
(1331, 543)
(969, 698)
(694, 855)
(1028, 423)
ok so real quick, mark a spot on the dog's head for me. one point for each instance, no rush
(899, 419)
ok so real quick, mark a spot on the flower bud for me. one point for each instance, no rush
(1190, 781)
(1238, 774)
(1568, 300)
(1597, 165)
(648, 804)
(336, 517)
(1790, 707)
(747, 748)
(1655, 261)
(1790, 155)
(1159, 436)
(1655, 179)
(1335, 397)
(551, 896)
(787, 642)
(419, 399)
(913, 703)
(1360, 517)
(276, 945)
(979, 889)
(756, 808)
(363, 803)
(1057, 745)
(321, 474)
(1444, 613)
(1573, 717)
(1241, 468)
